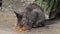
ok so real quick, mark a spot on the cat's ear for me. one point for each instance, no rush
(18, 15)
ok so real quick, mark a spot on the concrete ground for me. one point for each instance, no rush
(7, 22)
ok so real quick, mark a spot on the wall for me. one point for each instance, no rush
(9, 6)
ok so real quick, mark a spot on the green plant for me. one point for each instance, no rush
(40, 2)
(50, 5)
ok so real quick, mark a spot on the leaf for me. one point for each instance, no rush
(40, 2)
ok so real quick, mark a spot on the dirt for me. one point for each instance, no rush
(8, 21)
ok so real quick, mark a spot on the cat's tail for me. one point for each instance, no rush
(51, 21)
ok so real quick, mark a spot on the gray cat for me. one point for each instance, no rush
(31, 17)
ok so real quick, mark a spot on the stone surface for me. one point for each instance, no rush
(8, 21)
(14, 5)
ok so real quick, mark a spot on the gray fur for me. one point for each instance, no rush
(34, 16)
